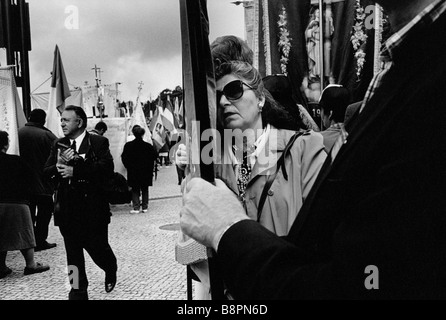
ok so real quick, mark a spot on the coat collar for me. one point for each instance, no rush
(270, 154)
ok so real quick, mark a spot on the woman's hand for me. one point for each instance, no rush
(181, 156)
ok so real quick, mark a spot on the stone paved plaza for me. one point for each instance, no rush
(143, 244)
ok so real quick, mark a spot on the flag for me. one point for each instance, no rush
(139, 118)
(59, 92)
(155, 116)
(168, 118)
(12, 117)
(178, 112)
(159, 134)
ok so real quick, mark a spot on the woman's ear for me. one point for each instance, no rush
(261, 102)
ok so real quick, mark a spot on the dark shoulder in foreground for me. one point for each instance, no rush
(95, 138)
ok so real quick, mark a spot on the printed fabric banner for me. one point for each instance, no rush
(117, 135)
(12, 117)
(109, 95)
(289, 39)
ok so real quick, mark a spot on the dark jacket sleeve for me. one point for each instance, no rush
(125, 156)
(50, 170)
(101, 166)
(267, 266)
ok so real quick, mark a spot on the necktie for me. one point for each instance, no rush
(73, 145)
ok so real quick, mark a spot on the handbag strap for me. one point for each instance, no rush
(280, 165)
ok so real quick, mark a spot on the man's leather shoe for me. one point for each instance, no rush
(78, 295)
(5, 272)
(110, 282)
(44, 246)
(38, 268)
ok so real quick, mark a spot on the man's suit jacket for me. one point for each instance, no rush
(35, 146)
(139, 158)
(83, 200)
(374, 224)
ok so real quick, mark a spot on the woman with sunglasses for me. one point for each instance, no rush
(246, 165)
(260, 132)
(246, 162)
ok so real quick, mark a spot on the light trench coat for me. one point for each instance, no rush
(285, 197)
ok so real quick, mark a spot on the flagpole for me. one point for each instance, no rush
(321, 43)
(200, 106)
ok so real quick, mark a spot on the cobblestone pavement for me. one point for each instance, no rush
(143, 244)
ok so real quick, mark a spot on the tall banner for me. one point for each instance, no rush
(158, 130)
(200, 110)
(316, 46)
(90, 96)
(60, 91)
(169, 120)
(139, 118)
(12, 117)
(117, 134)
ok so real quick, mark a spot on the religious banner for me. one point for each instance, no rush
(316, 46)
(12, 117)
(117, 135)
(109, 96)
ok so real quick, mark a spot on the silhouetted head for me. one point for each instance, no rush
(138, 131)
(38, 116)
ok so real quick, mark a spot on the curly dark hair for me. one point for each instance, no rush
(228, 48)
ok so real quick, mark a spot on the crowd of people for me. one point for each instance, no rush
(351, 210)
(65, 179)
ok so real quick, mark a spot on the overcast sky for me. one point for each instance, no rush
(130, 40)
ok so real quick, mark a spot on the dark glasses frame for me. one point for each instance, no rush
(233, 90)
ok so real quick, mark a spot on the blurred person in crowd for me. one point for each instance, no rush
(100, 128)
(333, 104)
(35, 146)
(139, 159)
(18, 185)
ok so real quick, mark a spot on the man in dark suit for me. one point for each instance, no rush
(80, 163)
(138, 158)
(351, 113)
(374, 224)
(35, 146)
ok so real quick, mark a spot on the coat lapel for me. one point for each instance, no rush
(84, 145)
(266, 161)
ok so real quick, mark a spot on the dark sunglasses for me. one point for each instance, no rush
(233, 90)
